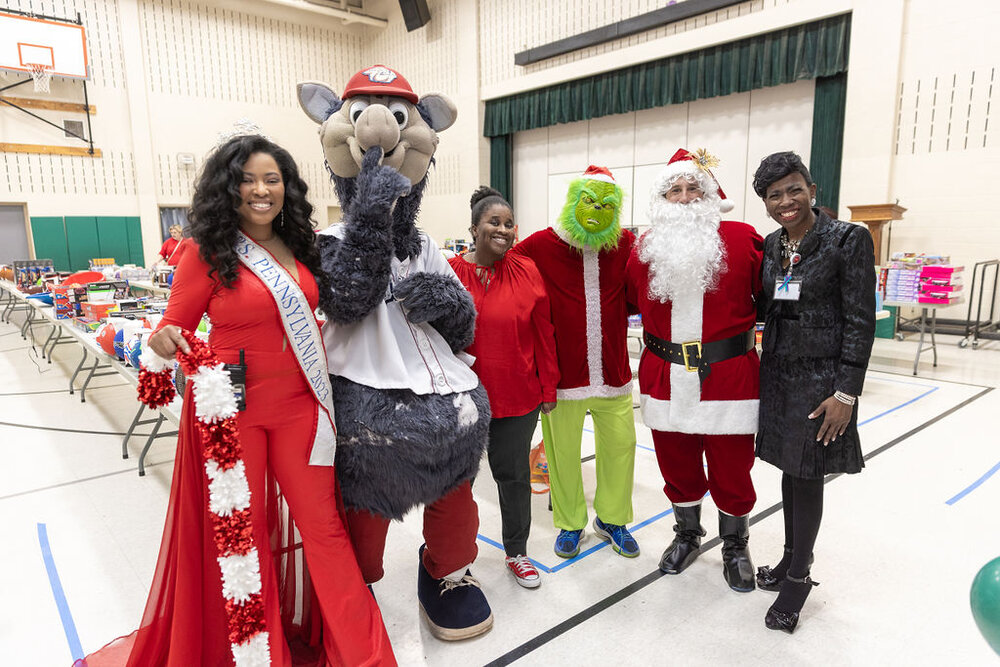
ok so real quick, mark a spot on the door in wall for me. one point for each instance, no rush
(13, 234)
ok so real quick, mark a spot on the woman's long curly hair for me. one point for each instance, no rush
(214, 217)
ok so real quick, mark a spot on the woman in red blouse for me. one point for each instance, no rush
(168, 247)
(515, 354)
(250, 191)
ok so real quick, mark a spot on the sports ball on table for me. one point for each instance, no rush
(133, 348)
(106, 337)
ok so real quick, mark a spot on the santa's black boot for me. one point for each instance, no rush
(687, 540)
(736, 565)
(453, 610)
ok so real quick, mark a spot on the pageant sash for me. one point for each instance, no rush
(303, 334)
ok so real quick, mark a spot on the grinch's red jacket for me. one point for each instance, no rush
(674, 399)
(587, 292)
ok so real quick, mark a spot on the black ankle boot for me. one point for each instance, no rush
(784, 613)
(770, 578)
(737, 567)
(687, 540)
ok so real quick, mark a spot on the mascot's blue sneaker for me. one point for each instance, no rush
(568, 543)
(621, 540)
(453, 610)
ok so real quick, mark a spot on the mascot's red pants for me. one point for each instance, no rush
(450, 526)
(729, 458)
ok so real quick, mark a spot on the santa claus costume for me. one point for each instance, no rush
(695, 279)
(582, 260)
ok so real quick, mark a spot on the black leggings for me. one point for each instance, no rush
(802, 504)
(508, 451)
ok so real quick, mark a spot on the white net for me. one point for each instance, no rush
(41, 75)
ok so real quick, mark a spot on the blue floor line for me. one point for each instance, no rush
(972, 487)
(901, 405)
(69, 627)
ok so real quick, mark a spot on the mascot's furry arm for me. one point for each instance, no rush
(359, 264)
(442, 301)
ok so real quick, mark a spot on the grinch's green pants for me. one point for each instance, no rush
(614, 436)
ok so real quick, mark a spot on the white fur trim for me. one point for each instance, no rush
(600, 177)
(213, 394)
(254, 652)
(705, 417)
(153, 362)
(600, 391)
(468, 413)
(240, 576)
(592, 303)
(706, 180)
(228, 490)
(565, 236)
(671, 172)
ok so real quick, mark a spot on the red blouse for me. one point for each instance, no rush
(168, 246)
(245, 317)
(515, 346)
(177, 251)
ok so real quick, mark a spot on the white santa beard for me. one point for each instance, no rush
(683, 248)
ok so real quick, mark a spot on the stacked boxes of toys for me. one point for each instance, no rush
(902, 282)
(28, 273)
(921, 278)
(940, 284)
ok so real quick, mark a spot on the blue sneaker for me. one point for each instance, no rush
(621, 540)
(568, 543)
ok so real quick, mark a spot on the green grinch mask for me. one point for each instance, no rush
(591, 213)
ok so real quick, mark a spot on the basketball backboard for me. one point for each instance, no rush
(55, 45)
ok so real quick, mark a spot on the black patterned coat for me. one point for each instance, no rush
(816, 346)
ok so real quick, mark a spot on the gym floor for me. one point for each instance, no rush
(897, 551)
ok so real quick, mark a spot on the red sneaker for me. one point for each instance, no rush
(524, 572)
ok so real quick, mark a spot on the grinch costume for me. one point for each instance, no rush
(582, 259)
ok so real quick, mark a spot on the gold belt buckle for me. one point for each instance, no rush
(684, 350)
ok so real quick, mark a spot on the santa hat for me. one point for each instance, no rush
(379, 80)
(686, 163)
(599, 174)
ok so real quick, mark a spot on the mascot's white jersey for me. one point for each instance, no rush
(387, 351)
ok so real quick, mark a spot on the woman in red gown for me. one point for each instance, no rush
(252, 186)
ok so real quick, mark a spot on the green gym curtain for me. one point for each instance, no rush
(828, 138)
(815, 50)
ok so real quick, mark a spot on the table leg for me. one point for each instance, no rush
(83, 360)
(97, 362)
(55, 328)
(128, 434)
(920, 345)
(58, 331)
(933, 327)
(149, 442)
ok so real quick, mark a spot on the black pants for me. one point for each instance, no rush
(508, 451)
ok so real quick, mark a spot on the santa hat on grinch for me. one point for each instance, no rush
(696, 165)
(599, 174)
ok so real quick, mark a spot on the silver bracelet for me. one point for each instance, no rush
(846, 399)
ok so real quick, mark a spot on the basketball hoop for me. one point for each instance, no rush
(41, 75)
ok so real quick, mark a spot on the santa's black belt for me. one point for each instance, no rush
(697, 356)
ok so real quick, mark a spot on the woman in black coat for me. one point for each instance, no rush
(819, 313)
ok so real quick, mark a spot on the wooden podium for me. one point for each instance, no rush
(876, 216)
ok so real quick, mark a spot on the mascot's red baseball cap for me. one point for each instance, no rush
(379, 80)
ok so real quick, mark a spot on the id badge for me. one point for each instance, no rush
(787, 290)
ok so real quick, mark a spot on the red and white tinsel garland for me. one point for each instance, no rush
(228, 489)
